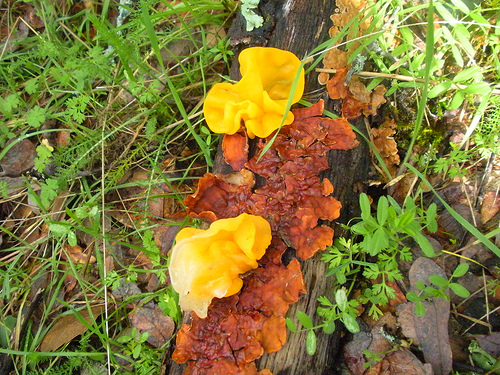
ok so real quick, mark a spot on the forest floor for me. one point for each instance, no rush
(102, 138)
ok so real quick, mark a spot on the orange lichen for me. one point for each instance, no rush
(386, 145)
(355, 98)
(259, 99)
(207, 263)
(347, 10)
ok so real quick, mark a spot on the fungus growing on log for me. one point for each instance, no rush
(259, 99)
(207, 263)
(293, 197)
(240, 328)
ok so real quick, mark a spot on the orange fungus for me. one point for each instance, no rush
(207, 263)
(259, 99)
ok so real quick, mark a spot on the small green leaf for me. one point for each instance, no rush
(31, 86)
(395, 205)
(463, 36)
(364, 204)
(438, 280)
(382, 210)
(143, 337)
(439, 89)
(360, 228)
(419, 309)
(72, 238)
(304, 319)
(406, 35)
(406, 218)
(59, 228)
(412, 297)
(477, 88)
(457, 55)
(341, 279)
(467, 74)
(478, 18)
(380, 241)
(430, 218)
(420, 285)
(457, 100)
(311, 342)
(329, 327)
(36, 116)
(341, 299)
(124, 339)
(462, 6)
(350, 323)
(290, 325)
(459, 290)
(424, 244)
(136, 352)
(461, 270)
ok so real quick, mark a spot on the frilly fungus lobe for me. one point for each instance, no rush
(259, 99)
(207, 263)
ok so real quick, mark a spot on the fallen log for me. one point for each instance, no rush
(299, 26)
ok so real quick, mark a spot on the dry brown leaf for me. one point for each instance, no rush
(490, 206)
(401, 361)
(68, 327)
(63, 138)
(77, 255)
(450, 225)
(152, 320)
(490, 343)
(19, 159)
(432, 328)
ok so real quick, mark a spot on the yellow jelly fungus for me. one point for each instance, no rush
(207, 263)
(259, 99)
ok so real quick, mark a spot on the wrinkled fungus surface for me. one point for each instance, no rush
(240, 328)
(259, 99)
(207, 263)
(292, 198)
(356, 100)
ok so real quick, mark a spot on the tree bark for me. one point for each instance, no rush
(299, 26)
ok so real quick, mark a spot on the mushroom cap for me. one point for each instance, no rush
(259, 99)
(207, 263)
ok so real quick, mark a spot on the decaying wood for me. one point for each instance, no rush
(299, 26)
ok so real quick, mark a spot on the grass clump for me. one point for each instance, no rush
(109, 95)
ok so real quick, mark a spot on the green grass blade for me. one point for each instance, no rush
(472, 230)
(429, 55)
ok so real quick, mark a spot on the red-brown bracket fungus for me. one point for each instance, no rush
(259, 99)
(230, 334)
(207, 263)
(240, 328)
